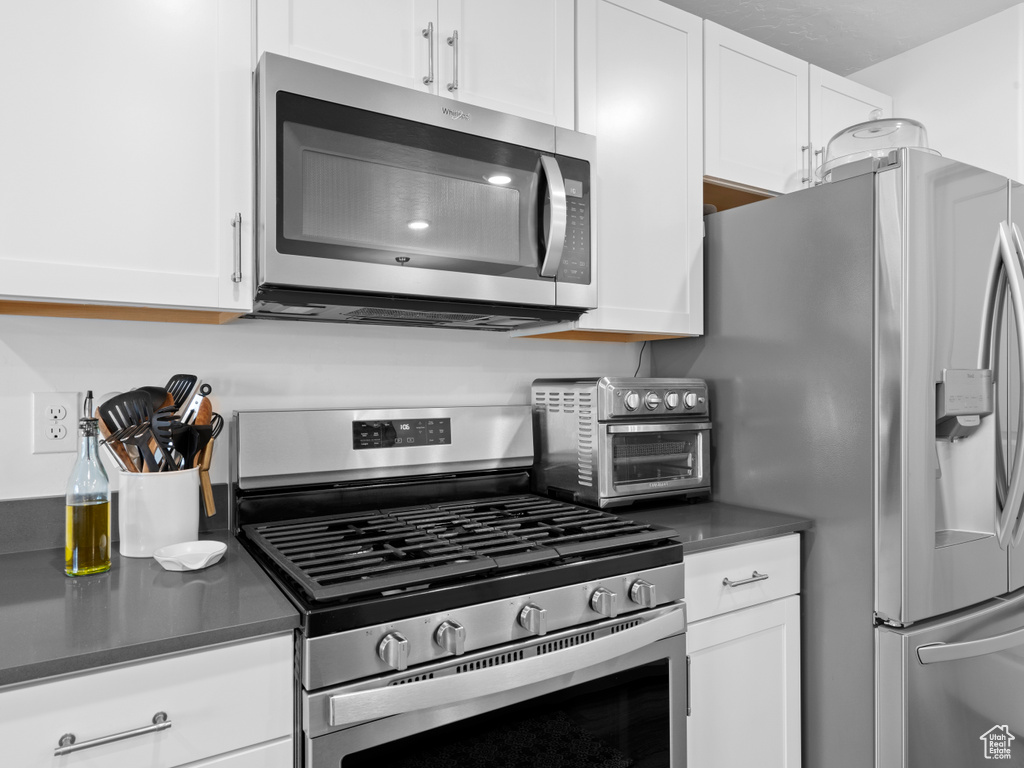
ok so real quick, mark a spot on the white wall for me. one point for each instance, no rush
(965, 88)
(267, 364)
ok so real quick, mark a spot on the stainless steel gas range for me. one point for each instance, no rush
(449, 616)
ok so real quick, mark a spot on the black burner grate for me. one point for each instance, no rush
(346, 555)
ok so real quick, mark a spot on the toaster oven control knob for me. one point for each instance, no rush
(631, 401)
(604, 602)
(690, 400)
(652, 400)
(451, 636)
(394, 650)
(672, 400)
(642, 593)
(534, 619)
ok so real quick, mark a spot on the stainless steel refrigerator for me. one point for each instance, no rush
(863, 361)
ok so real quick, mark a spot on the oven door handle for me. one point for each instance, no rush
(681, 426)
(360, 706)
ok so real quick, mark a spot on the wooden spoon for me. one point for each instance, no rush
(204, 478)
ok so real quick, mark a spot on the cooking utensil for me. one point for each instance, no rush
(204, 479)
(181, 386)
(189, 414)
(204, 413)
(114, 446)
(217, 422)
(157, 396)
(132, 409)
(162, 424)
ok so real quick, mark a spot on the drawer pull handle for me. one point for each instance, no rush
(755, 576)
(67, 743)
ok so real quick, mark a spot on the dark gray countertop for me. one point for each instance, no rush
(712, 524)
(51, 624)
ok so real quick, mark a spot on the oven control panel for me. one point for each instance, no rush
(400, 433)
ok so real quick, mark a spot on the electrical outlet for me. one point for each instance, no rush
(55, 422)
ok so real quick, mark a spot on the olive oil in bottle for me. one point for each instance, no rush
(87, 531)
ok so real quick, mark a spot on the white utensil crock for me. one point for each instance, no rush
(156, 509)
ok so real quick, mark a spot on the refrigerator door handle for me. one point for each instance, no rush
(934, 653)
(1006, 260)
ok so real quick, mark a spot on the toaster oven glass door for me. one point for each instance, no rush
(655, 457)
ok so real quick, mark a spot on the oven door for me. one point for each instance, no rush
(612, 693)
(648, 460)
(366, 187)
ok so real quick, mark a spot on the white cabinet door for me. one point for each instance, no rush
(755, 122)
(272, 754)
(126, 152)
(382, 40)
(514, 56)
(639, 64)
(745, 688)
(837, 103)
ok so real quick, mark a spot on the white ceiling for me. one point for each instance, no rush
(840, 35)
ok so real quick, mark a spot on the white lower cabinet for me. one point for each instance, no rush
(227, 706)
(744, 661)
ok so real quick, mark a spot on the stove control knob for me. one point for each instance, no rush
(672, 400)
(690, 400)
(652, 400)
(604, 602)
(451, 636)
(631, 401)
(534, 619)
(394, 650)
(642, 593)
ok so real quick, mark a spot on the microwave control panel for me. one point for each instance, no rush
(575, 267)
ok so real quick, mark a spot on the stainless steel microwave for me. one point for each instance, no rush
(379, 204)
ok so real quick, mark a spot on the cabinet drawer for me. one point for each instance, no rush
(216, 700)
(707, 594)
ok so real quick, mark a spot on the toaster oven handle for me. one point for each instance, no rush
(554, 238)
(360, 706)
(676, 426)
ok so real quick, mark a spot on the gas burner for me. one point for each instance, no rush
(355, 554)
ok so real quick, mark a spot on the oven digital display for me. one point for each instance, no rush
(400, 433)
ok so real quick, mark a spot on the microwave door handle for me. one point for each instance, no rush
(1006, 251)
(555, 236)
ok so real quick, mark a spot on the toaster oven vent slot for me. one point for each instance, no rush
(626, 625)
(490, 661)
(415, 679)
(565, 642)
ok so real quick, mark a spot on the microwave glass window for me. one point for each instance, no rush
(655, 456)
(364, 187)
(617, 721)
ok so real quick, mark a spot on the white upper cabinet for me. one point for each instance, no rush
(837, 103)
(768, 115)
(126, 153)
(394, 41)
(755, 122)
(514, 56)
(639, 64)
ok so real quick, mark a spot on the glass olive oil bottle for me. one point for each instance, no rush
(87, 531)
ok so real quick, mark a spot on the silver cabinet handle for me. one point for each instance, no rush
(453, 41)
(67, 745)
(968, 649)
(429, 34)
(689, 709)
(809, 149)
(236, 224)
(559, 217)
(755, 576)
